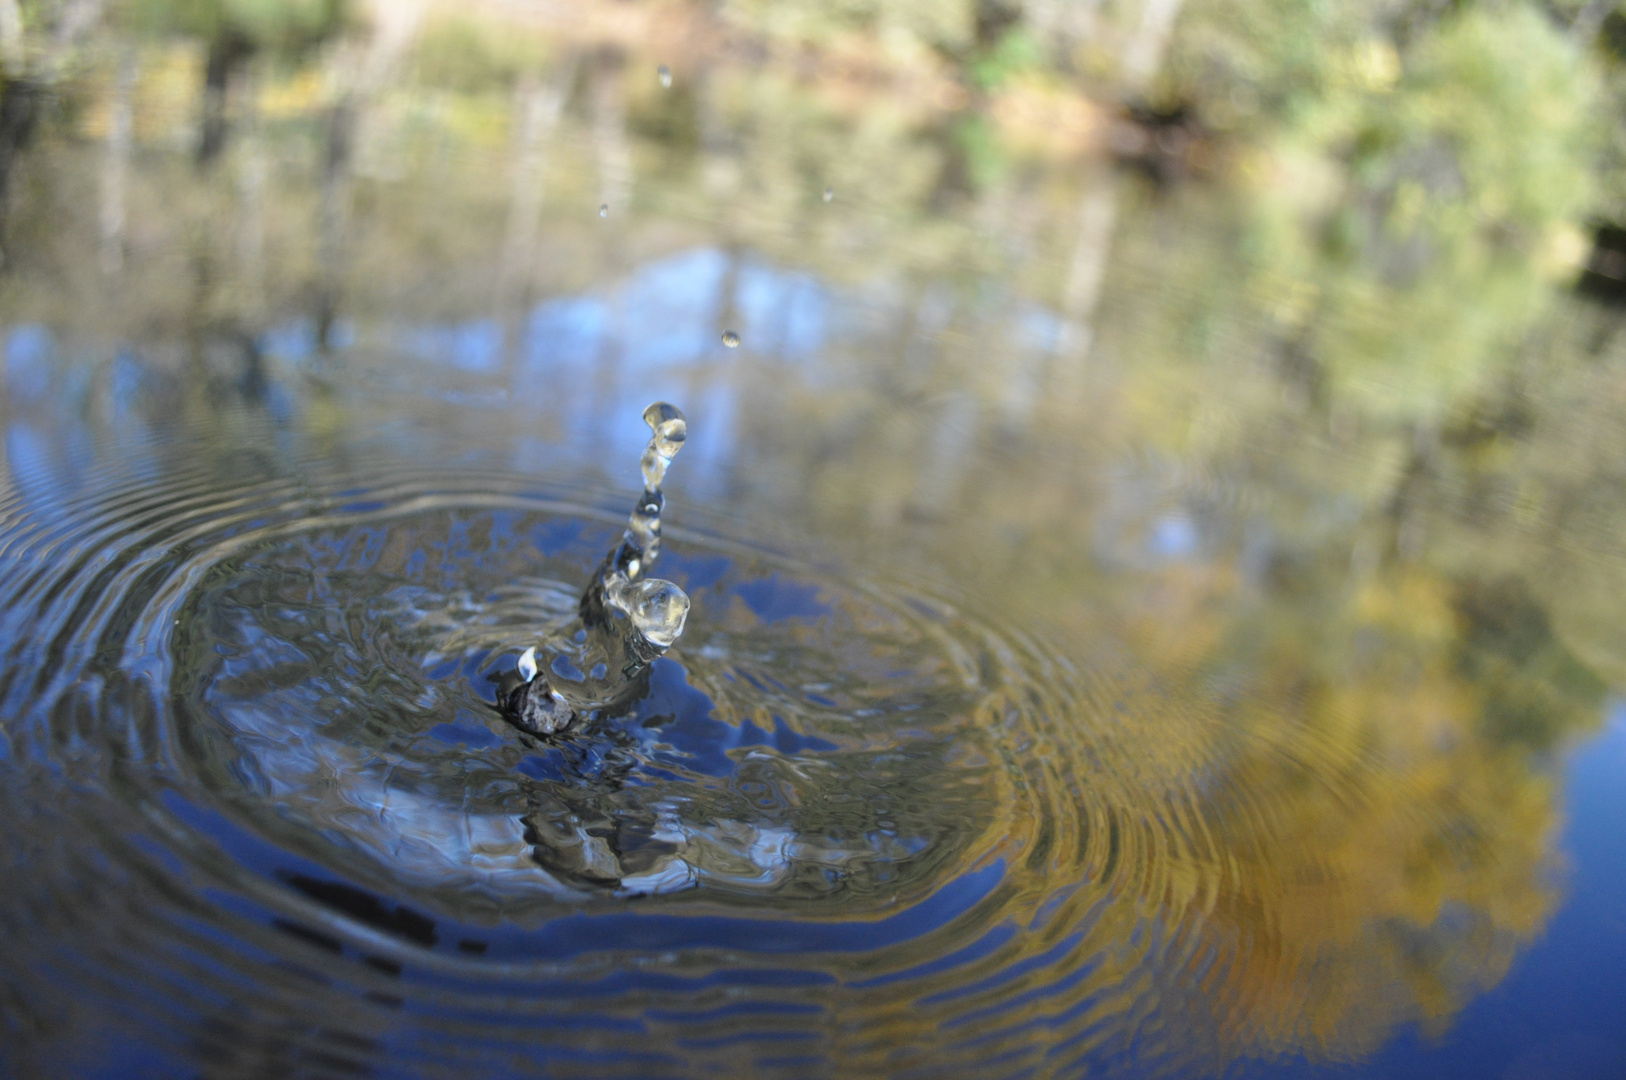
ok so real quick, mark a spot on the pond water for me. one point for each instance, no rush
(1153, 596)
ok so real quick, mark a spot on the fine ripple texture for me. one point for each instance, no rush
(266, 818)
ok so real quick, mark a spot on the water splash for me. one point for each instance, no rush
(625, 619)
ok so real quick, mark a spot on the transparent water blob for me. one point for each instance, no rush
(658, 610)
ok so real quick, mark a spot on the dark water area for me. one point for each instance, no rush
(1150, 514)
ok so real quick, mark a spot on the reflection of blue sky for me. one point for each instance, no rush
(657, 335)
(563, 335)
(591, 361)
(666, 311)
(1173, 536)
(774, 598)
(586, 364)
(1036, 329)
(785, 314)
(295, 341)
(48, 446)
(30, 358)
(475, 346)
(1144, 521)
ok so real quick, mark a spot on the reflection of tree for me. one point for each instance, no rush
(234, 31)
(115, 172)
(1384, 836)
(1373, 815)
(1402, 181)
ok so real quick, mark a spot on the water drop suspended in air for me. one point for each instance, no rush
(829, 193)
(665, 74)
(731, 339)
(604, 210)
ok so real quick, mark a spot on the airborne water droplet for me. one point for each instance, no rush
(731, 339)
(829, 193)
(665, 74)
(604, 210)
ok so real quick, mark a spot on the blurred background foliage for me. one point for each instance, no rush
(1276, 343)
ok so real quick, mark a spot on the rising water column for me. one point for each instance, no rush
(629, 619)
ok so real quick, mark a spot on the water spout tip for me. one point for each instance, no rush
(662, 412)
(667, 422)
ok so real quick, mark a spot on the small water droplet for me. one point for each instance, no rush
(665, 74)
(658, 609)
(604, 210)
(829, 193)
(731, 339)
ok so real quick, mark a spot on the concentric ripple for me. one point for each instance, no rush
(810, 747)
(265, 820)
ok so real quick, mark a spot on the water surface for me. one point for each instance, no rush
(1131, 633)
